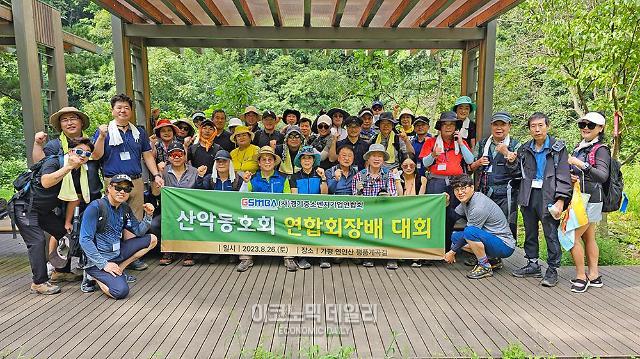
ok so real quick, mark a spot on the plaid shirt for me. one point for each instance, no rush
(373, 186)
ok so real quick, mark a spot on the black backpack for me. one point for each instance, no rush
(612, 189)
(103, 212)
(22, 184)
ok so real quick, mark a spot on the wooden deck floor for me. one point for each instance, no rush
(206, 311)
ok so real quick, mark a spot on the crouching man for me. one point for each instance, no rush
(487, 233)
(109, 249)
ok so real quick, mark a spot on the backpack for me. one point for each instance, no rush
(22, 183)
(613, 187)
(103, 211)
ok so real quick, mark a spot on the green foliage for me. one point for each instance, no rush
(514, 351)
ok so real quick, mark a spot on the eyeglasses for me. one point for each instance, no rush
(81, 152)
(69, 119)
(590, 125)
(461, 189)
(125, 189)
(408, 165)
(176, 154)
(323, 127)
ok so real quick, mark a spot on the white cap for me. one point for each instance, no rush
(324, 119)
(593, 117)
(234, 121)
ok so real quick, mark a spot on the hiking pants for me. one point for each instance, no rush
(533, 214)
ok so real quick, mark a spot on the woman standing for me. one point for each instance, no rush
(590, 167)
(463, 108)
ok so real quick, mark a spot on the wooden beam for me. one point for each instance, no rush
(433, 11)
(302, 44)
(245, 13)
(121, 11)
(5, 13)
(182, 12)
(150, 11)
(369, 13)
(309, 34)
(307, 13)
(275, 12)
(213, 12)
(78, 42)
(492, 13)
(337, 13)
(403, 9)
(462, 12)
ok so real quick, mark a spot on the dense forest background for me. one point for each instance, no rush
(561, 57)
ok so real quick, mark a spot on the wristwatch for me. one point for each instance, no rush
(157, 175)
(586, 166)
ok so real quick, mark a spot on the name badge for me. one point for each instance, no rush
(536, 183)
(116, 246)
(125, 156)
(442, 167)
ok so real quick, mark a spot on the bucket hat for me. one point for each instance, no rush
(268, 150)
(307, 151)
(241, 129)
(464, 100)
(376, 147)
(54, 119)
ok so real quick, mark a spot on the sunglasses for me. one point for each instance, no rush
(590, 125)
(81, 152)
(323, 127)
(176, 154)
(184, 128)
(294, 136)
(410, 165)
(125, 189)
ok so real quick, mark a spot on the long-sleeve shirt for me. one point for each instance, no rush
(103, 246)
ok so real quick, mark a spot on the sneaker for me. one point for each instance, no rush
(58, 277)
(530, 270)
(88, 284)
(579, 285)
(480, 272)
(416, 264)
(45, 288)
(244, 265)
(596, 283)
(290, 264)
(392, 265)
(496, 263)
(367, 264)
(550, 278)
(324, 264)
(138, 264)
(303, 263)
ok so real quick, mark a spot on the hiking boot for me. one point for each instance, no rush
(480, 272)
(129, 278)
(58, 277)
(303, 263)
(392, 265)
(530, 270)
(244, 265)
(88, 284)
(138, 264)
(324, 264)
(550, 278)
(45, 288)
(496, 263)
(290, 264)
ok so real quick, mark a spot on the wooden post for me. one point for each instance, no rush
(28, 71)
(122, 59)
(486, 72)
(57, 74)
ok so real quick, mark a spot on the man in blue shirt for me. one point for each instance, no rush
(107, 243)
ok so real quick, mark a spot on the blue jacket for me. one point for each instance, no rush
(277, 183)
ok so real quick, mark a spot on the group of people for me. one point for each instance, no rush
(374, 153)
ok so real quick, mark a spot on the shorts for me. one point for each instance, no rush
(594, 212)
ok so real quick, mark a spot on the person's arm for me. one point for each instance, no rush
(68, 216)
(324, 188)
(600, 171)
(98, 145)
(38, 146)
(293, 185)
(423, 186)
(333, 156)
(324, 154)
(466, 153)
(428, 160)
(88, 228)
(150, 162)
(139, 228)
(564, 186)
(49, 180)
(405, 145)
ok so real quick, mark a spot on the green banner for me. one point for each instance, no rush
(199, 221)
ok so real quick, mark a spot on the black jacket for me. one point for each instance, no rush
(592, 179)
(557, 178)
